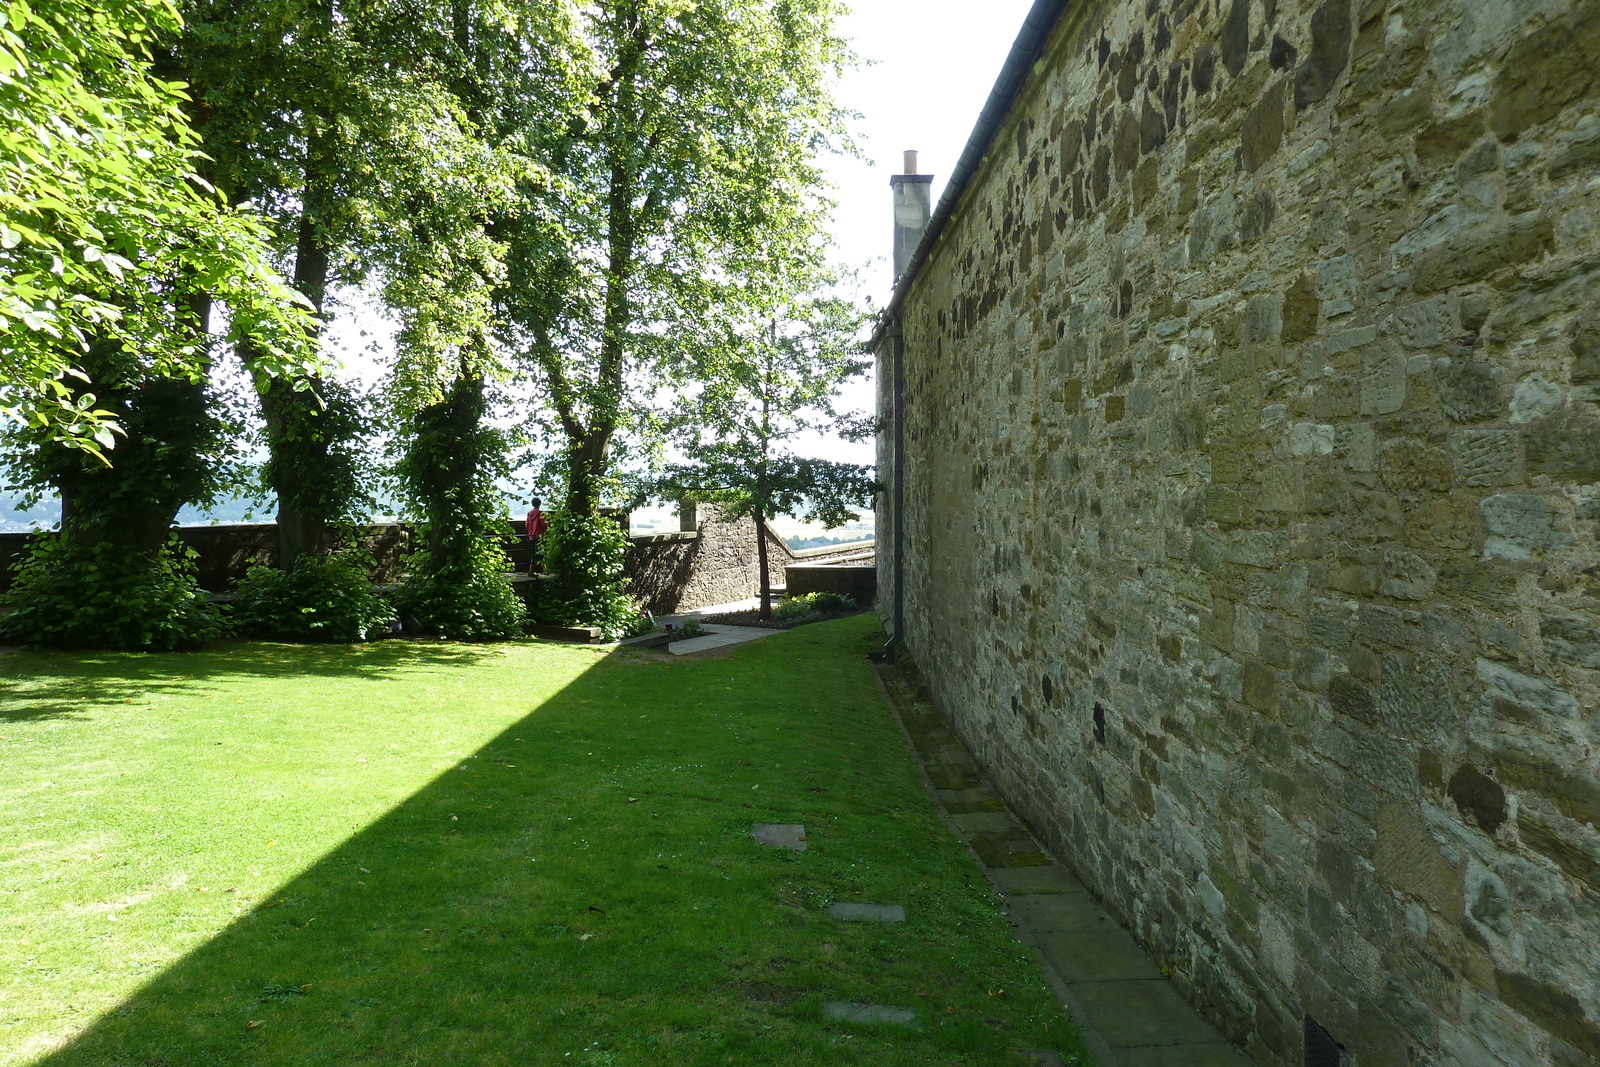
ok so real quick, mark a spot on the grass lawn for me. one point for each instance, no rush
(416, 853)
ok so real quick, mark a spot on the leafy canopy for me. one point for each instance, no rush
(105, 225)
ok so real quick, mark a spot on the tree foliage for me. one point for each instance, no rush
(344, 121)
(684, 195)
(739, 429)
(106, 226)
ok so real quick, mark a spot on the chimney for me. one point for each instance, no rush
(913, 203)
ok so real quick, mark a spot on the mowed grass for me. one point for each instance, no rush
(413, 853)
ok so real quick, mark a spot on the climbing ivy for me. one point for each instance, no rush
(457, 584)
(584, 554)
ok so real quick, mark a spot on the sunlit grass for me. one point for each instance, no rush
(415, 853)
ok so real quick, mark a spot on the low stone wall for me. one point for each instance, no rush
(715, 564)
(860, 583)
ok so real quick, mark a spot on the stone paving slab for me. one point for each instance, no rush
(1220, 1054)
(1011, 848)
(983, 822)
(1143, 1012)
(791, 835)
(869, 1013)
(981, 798)
(882, 913)
(719, 637)
(1022, 881)
(1130, 1015)
(1081, 941)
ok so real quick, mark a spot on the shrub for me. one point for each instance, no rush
(584, 557)
(466, 600)
(318, 599)
(107, 596)
(818, 604)
(639, 625)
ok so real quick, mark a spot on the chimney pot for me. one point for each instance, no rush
(911, 161)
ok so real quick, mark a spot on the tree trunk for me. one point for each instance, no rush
(590, 455)
(303, 506)
(761, 563)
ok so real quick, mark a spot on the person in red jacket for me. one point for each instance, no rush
(537, 525)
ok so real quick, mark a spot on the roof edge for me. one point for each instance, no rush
(1025, 51)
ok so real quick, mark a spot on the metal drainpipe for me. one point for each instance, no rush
(897, 483)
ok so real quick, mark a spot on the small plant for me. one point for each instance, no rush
(690, 628)
(813, 604)
(463, 598)
(318, 599)
(640, 625)
(105, 596)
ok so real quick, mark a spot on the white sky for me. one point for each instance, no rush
(926, 73)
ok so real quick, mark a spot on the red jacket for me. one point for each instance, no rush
(536, 524)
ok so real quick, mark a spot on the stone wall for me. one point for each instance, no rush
(225, 551)
(1253, 433)
(714, 564)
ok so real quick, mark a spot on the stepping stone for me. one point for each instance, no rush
(868, 1013)
(780, 834)
(881, 913)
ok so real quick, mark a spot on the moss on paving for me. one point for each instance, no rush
(413, 853)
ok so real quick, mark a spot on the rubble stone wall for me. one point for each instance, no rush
(1253, 441)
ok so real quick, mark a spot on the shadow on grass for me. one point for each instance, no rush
(583, 890)
(114, 677)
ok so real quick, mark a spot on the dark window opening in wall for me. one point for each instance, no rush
(1100, 724)
(1049, 690)
(1321, 1049)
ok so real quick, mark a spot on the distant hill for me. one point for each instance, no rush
(798, 542)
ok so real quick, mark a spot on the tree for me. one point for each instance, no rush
(337, 118)
(107, 232)
(737, 431)
(683, 194)
(113, 250)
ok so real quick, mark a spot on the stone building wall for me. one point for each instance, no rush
(1253, 440)
(715, 564)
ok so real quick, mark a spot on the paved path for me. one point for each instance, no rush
(1131, 1016)
(717, 634)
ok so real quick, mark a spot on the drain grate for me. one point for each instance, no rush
(1321, 1049)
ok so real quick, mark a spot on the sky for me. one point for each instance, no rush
(923, 82)
(925, 75)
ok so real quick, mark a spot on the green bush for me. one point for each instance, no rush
(639, 625)
(813, 604)
(106, 596)
(318, 599)
(472, 602)
(584, 558)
